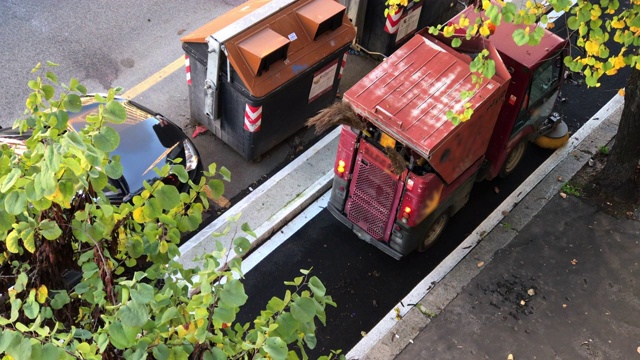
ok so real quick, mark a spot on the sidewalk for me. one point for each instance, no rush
(555, 279)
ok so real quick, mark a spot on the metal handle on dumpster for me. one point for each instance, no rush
(211, 82)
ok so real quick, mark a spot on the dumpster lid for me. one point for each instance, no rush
(269, 43)
(201, 34)
(407, 96)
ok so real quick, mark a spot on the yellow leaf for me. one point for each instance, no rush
(617, 24)
(464, 22)
(550, 25)
(591, 47)
(164, 246)
(42, 294)
(484, 30)
(448, 31)
(621, 92)
(138, 216)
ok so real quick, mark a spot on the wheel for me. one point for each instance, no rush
(513, 159)
(434, 232)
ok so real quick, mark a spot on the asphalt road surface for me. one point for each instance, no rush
(122, 43)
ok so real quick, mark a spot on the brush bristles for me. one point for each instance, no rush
(340, 113)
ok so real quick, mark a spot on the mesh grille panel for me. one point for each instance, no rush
(371, 199)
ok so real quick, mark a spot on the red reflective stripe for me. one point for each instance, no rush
(252, 118)
(393, 22)
(344, 62)
(187, 67)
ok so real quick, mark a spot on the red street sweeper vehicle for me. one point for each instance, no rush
(403, 169)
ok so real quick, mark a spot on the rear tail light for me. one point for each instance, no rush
(341, 165)
(406, 212)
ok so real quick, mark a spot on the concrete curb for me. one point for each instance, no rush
(272, 204)
(441, 286)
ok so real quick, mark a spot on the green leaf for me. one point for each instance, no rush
(11, 179)
(143, 293)
(233, 293)
(225, 173)
(107, 139)
(317, 287)
(122, 337)
(6, 220)
(135, 247)
(31, 309)
(241, 245)
(310, 340)
(214, 354)
(456, 42)
(8, 340)
(113, 169)
(50, 230)
(181, 172)
(73, 103)
(28, 240)
(133, 314)
(161, 352)
(60, 299)
(50, 351)
(247, 229)
(48, 91)
(223, 315)
(22, 351)
(168, 196)
(170, 314)
(217, 188)
(15, 202)
(276, 348)
(303, 309)
(75, 139)
(51, 76)
(520, 37)
(115, 112)
(573, 23)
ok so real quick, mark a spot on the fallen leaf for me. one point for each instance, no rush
(531, 292)
(363, 333)
(523, 303)
(638, 349)
(505, 212)
(480, 263)
(510, 357)
(560, 178)
(563, 195)
(574, 261)
(621, 93)
(564, 306)
(496, 189)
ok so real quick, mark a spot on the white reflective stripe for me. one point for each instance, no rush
(252, 114)
(187, 67)
(393, 22)
(252, 117)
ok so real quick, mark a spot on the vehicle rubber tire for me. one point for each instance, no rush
(513, 159)
(434, 232)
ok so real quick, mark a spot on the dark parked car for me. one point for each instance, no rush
(147, 140)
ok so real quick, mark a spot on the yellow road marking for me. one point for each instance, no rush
(154, 79)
